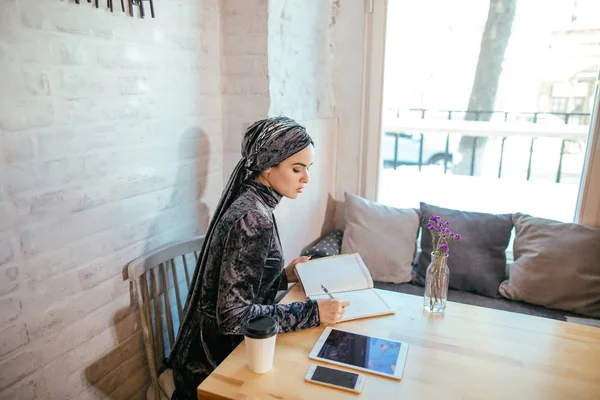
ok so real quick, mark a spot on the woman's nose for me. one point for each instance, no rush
(305, 177)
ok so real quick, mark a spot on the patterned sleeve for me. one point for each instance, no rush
(243, 264)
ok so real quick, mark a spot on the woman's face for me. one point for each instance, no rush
(291, 175)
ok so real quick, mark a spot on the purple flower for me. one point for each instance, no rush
(447, 223)
(435, 218)
(430, 226)
(444, 247)
(457, 236)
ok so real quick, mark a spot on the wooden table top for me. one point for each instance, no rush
(467, 353)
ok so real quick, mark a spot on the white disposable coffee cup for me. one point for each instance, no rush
(260, 334)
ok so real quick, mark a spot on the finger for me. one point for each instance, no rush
(345, 303)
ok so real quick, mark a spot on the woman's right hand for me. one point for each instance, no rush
(331, 311)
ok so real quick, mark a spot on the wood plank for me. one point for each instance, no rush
(176, 286)
(168, 315)
(147, 330)
(185, 268)
(160, 345)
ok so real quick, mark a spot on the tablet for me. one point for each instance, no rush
(363, 352)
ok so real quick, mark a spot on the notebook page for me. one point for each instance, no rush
(363, 303)
(338, 274)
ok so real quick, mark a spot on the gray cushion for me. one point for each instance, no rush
(556, 265)
(385, 237)
(481, 301)
(477, 262)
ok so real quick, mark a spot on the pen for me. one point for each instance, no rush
(327, 291)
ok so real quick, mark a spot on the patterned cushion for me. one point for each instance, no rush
(329, 245)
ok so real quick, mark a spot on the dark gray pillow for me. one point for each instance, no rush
(478, 261)
(329, 245)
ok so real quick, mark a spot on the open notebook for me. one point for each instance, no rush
(346, 277)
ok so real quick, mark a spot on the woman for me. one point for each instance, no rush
(240, 268)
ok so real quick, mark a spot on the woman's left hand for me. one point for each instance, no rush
(290, 272)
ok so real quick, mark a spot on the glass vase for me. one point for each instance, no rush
(436, 284)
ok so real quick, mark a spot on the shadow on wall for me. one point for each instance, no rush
(123, 372)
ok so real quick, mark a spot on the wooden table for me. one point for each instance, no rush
(468, 353)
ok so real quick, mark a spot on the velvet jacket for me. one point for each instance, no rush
(244, 271)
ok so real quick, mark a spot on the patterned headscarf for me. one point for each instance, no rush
(270, 141)
(265, 144)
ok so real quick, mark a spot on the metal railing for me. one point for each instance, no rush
(517, 124)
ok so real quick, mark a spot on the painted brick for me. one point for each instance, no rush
(87, 250)
(50, 317)
(115, 318)
(25, 389)
(103, 269)
(25, 46)
(112, 381)
(131, 347)
(13, 337)
(17, 148)
(9, 17)
(61, 142)
(125, 56)
(39, 239)
(44, 352)
(245, 85)
(61, 314)
(236, 24)
(139, 379)
(5, 216)
(235, 130)
(73, 383)
(244, 45)
(65, 141)
(237, 6)
(247, 65)
(3, 53)
(21, 364)
(10, 309)
(56, 17)
(22, 80)
(33, 113)
(9, 278)
(6, 248)
(259, 24)
(57, 172)
(250, 106)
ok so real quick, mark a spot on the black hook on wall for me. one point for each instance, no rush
(140, 3)
(132, 3)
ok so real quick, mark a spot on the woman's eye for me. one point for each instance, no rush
(296, 170)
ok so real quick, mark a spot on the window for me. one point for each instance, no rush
(483, 110)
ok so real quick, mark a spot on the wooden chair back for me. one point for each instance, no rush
(161, 279)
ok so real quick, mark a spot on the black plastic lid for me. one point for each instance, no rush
(260, 327)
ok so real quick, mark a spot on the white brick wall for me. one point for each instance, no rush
(244, 72)
(301, 58)
(110, 145)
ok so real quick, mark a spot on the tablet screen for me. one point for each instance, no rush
(362, 351)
